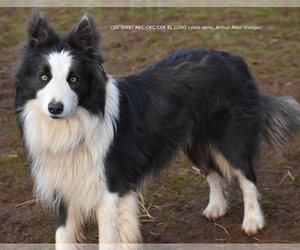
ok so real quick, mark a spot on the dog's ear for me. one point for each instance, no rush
(39, 31)
(84, 36)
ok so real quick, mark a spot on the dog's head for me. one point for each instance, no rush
(61, 73)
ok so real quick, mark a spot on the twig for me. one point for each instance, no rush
(149, 206)
(290, 175)
(222, 227)
(13, 156)
(272, 171)
(142, 203)
(147, 220)
(231, 226)
(155, 193)
(287, 167)
(166, 205)
(283, 178)
(197, 170)
(2, 184)
(143, 215)
(256, 239)
(26, 203)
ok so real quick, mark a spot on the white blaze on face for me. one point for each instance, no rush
(58, 89)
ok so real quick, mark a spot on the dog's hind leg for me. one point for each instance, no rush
(200, 154)
(68, 227)
(217, 204)
(128, 219)
(253, 216)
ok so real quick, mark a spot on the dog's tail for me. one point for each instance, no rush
(280, 119)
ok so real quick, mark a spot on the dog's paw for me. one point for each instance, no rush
(251, 225)
(215, 211)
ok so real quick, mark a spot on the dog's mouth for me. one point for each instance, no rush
(55, 117)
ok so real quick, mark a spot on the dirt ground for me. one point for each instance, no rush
(172, 205)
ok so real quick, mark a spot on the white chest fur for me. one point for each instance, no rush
(67, 156)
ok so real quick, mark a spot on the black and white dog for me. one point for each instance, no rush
(92, 140)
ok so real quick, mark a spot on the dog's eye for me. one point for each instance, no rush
(44, 77)
(73, 79)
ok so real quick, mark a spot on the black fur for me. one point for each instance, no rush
(188, 99)
(62, 213)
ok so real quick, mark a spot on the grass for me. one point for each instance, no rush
(154, 37)
(14, 168)
(170, 190)
(11, 159)
(176, 182)
(19, 229)
(33, 222)
(50, 239)
(267, 204)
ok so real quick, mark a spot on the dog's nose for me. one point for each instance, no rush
(55, 108)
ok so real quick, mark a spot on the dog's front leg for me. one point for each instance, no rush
(108, 219)
(67, 227)
(129, 219)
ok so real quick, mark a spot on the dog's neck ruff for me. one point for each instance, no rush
(67, 156)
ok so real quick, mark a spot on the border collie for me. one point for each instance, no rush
(92, 140)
